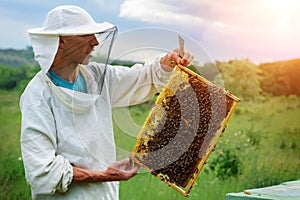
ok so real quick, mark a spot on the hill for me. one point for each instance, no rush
(17, 58)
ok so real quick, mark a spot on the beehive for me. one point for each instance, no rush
(182, 128)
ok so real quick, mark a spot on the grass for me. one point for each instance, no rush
(264, 136)
(13, 184)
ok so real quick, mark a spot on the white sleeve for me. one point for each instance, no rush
(45, 171)
(129, 86)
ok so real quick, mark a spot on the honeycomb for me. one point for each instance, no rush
(182, 128)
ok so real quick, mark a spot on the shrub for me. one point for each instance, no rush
(224, 163)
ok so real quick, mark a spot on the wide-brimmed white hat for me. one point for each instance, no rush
(62, 20)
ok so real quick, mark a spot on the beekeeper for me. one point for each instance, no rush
(67, 138)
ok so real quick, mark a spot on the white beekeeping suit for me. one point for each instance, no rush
(63, 127)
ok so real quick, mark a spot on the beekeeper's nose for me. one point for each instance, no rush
(94, 41)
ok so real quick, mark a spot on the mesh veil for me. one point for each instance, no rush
(101, 53)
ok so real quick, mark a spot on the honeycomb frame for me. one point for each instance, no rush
(197, 145)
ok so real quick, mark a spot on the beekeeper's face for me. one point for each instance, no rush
(77, 49)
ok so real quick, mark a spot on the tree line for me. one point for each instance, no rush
(17, 58)
(249, 81)
(242, 77)
(281, 78)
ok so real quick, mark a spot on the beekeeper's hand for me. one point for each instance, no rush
(119, 171)
(170, 60)
(122, 170)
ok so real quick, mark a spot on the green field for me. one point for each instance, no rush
(260, 147)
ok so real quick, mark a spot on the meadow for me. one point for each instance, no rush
(260, 147)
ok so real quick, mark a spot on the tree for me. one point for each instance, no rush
(241, 77)
(11, 78)
(8, 77)
(281, 78)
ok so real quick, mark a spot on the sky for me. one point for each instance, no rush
(223, 30)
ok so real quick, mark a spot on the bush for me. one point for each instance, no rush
(11, 78)
(8, 77)
(224, 163)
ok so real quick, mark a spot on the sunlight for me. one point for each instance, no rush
(281, 7)
(283, 25)
(283, 13)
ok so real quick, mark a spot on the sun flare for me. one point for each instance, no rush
(281, 6)
(284, 14)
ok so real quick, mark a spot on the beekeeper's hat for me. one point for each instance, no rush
(62, 20)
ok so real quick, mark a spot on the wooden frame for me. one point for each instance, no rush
(180, 75)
